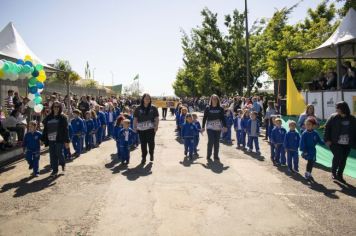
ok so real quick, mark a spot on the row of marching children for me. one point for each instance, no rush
(247, 128)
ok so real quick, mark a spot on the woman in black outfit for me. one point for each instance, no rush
(56, 136)
(340, 136)
(146, 119)
(215, 123)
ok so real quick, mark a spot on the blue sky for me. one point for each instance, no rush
(125, 37)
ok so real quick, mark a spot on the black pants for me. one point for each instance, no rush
(310, 165)
(56, 155)
(340, 153)
(213, 140)
(147, 137)
(172, 111)
(164, 112)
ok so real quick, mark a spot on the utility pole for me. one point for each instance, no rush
(247, 52)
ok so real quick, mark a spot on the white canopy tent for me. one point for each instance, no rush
(13, 47)
(341, 44)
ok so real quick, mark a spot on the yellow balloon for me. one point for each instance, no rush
(42, 72)
(28, 58)
(2, 74)
(41, 78)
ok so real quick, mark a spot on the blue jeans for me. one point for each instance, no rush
(280, 156)
(99, 135)
(125, 153)
(88, 141)
(213, 141)
(110, 129)
(196, 142)
(292, 156)
(254, 140)
(33, 159)
(56, 155)
(239, 138)
(227, 135)
(189, 145)
(78, 143)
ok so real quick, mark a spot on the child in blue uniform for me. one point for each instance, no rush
(182, 119)
(189, 130)
(277, 139)
(89, 131)
(244, 123)
(196, 136)
(125, 140)
(78, 133)
(66, 150)
(238, 128)
(116, 133)
(101, 130)
(253, 130)
(270, 128)
(291, 145)
(31, 144)
(309, 139)
(229, 118)
(96, 127)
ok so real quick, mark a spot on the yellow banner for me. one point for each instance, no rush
(295, 101)
(164, 104)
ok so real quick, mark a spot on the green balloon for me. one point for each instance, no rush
(38, 100)
(39, 67)
(26, 69)
(32, 82)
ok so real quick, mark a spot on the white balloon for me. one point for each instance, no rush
(31, 104)
(38, 108)
(31, 96)
(39, 90)
(1, 64)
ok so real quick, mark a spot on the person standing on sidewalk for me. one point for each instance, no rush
(340, 136)
(214, 119)
(146, 119)
(56, 136)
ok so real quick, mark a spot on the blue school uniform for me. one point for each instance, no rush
(308, 141)
(253, 134)
(189, 131)
(244, 123)
(229, 123)
(110, 118)
(196, 136)
(273, 152)
(291, 145)
(238, 128)
(181, 123)
(90, 127)
(277, 139)
(125, 141)
(101, 131)
(32, 144)
(78, 126)
(116, 136)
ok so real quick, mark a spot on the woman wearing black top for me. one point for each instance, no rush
(215, 123)
(340, 136)
(146, 120)
(56, 135)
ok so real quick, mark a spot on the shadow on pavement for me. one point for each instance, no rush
(23, 187)
(138, 171)
(187, 162)
(6, 168)
(114, 161)
(215, 166)
(254, 155)
(119, 168)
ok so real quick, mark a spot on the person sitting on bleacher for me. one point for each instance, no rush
(16, 123)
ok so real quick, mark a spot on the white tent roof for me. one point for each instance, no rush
(344, 35)
(12, 45)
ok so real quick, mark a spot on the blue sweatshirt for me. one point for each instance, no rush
(244, 123)
(78, 126)
(236, 123)
(122, 137)
(229, 119)
(197, 124)
(307, 144)
(291, 141)
(32, 142)
(249, 125)
(189, 130)
(102, 118)
(181, 120)
(117, 130)
(90, 126)
(278, 135)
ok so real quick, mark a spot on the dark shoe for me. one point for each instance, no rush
(209, 159)
(63, 167)
(143, 161)
(30, 167)
(333, 176)
(341, 179)
(216, 158)
(152, 158)
(54, 173)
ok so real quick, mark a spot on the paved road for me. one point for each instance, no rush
(244, 195)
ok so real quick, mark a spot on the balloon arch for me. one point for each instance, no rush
(26, 69)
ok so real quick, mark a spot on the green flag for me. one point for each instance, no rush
(136, 77)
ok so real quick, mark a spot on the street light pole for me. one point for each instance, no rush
(247, 52)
